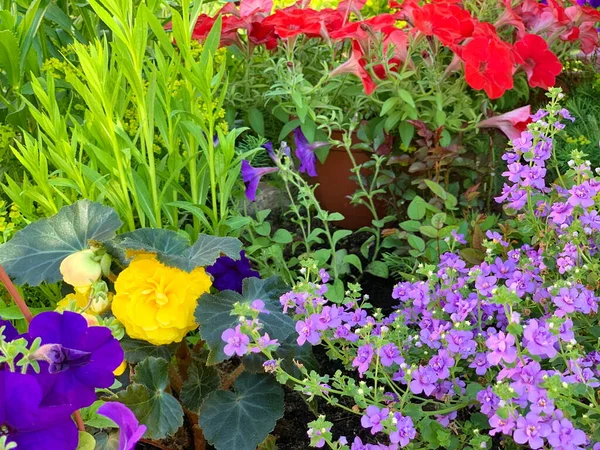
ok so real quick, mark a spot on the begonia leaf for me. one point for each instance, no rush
(201, 381)
(241, 420)
(34, 254)
(213, 313)
(137, 350)
(173, 249)
(149, 401)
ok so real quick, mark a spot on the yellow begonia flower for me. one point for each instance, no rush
(121, 369)
(156, 303)
(80, 300)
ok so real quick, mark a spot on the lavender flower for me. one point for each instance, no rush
(405, 430)
(531, 430)
(539, 340)
(237, 342)
(502, 348)
(564, 436)
(389, 355)
(373, 418)
(363, 358)
(307, 331)
(423, 380)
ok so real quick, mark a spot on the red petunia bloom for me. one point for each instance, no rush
(364, 29)
(488, 65)
(356, 65)
(229, 28)
(290, 22)
(263, 34)
(448, 22)
(541, 65)
(511, 123)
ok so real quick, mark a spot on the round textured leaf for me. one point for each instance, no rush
(201, 381)
(242, 419)
(34, 254)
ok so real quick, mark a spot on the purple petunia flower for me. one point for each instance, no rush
(229, 274)
(539, 340)
(373, 417)
(70, 331)
(27, 422)
(363, 358)
(60, 358)
(423, 380)
(251, 177)
(237, 342)
(130, 430)
(531, 430)
(502, 348)
(305, 152)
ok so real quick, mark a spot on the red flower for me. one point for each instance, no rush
(488, 65)
(229, 28)
(364, 29)
(261, 33)
(356, 65)
(541, 65)
(512, 123)
(448, 22)
(290, 22)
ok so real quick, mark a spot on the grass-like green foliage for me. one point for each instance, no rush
(136, 122)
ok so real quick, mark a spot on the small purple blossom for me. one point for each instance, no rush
(363, 358)
(373, 418)
(423, 380)
(531, 430)
(251, 177)
(237, 342)
(503, 348)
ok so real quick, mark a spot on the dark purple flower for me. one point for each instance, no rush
(373, 417)
(130, 431)
(60, 358)
(305, 152)
(531, 430)
(229, 274)
(237, 342)
(28, 423)
(423, 380)
(9, 332)
(251, 177)
(70, 331)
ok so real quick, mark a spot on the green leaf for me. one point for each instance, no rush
(410, 225)
(136, 350)
(146, 397)
(407, 131)
(429, 231)
(335, 291)
(335, 216)
(91, 417)
(256, 121)
(340, 234)
(86, 441)
(213, 313)
(353, 260)
(282, 236)
(438, 220)
(201, 381)
(174, 250)
(34, 254)
(106, 441)
(379, 269)
(472, 255)
(436, 189)
(405, 95)
(242, 419)
(9, 57)
(388, 104)
(416, 242)
(416, 208)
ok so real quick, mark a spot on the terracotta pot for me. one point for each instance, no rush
(336, 185)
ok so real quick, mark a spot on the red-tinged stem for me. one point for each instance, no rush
(14, 293)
